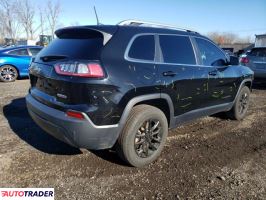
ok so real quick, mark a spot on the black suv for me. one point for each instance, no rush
(125, 85)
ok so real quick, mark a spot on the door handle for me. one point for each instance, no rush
(213, 73)
(169, 73)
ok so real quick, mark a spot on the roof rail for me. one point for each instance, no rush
(132, 22)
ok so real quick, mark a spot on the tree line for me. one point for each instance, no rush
(228, 38)
(23, 19)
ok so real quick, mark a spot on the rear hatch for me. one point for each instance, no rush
(257, 58)
(72, 46)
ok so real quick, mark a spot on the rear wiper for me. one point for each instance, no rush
(52, 58)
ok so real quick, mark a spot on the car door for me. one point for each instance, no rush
(181, 78)
(223, 80)
(21, 59)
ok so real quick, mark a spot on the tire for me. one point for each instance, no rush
(139, 143)
(239, 110)
(8, 73)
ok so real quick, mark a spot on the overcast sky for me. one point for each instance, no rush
(243, 17)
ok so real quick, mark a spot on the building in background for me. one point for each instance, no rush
(260, 40)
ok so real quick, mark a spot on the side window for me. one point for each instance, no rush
(19, 52)
(34, 51)
(210, 54)
(143, 48)
(177, 49)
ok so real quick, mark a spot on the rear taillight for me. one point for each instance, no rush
(81, 69)
(75, 114)
(244, 60)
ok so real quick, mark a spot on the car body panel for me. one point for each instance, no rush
(257, 61)
(20, 62)
(107, 101)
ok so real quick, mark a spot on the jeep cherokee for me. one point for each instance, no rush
(125, 85)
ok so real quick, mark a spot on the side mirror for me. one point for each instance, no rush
(219, 62)
(233, 60)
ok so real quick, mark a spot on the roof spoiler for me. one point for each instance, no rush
(85, 32)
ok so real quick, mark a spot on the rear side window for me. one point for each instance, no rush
(75, 44)
(19, 52)
(177, 49)
(210, 54)
(34, 51)
(143, 48)
(260, 52)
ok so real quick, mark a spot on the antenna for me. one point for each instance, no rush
(98, 23)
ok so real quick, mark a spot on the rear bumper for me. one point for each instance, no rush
(78, 133)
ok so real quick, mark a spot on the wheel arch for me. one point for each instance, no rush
(245, 82)
(12, 66)
(18, 71)
(248, 84)
(158, 100)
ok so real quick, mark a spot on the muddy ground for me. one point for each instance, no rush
(211, 158)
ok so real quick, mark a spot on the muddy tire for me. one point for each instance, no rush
(8, 73)
(143, 136)
(239, 110)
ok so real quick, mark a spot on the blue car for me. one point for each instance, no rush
(15, 61)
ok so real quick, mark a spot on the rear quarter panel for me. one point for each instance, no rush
(20, 62)
(131, 79)
(258, 65)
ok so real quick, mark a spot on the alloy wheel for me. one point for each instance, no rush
(243, 103)
(148, 138)
(8, 73)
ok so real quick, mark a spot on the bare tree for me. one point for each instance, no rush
(2, 30)
(8, 18)
(246, 39)
(52, 14)
(42, 22)
(223, 38)
(230, 38)
(214, 36)
(25, 12)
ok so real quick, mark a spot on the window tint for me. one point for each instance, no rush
(177, 49)
(143, 48)
(19, 52)
(34, 51)
(74, 48)
(210, 54)
(260, 52)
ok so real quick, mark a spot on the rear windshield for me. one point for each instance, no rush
(74, 47)
(260, 52)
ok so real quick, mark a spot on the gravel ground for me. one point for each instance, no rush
(211, 158)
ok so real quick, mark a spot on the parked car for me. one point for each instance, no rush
(15, 61)
(229, 53)
(256, 60)
(125, 85)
